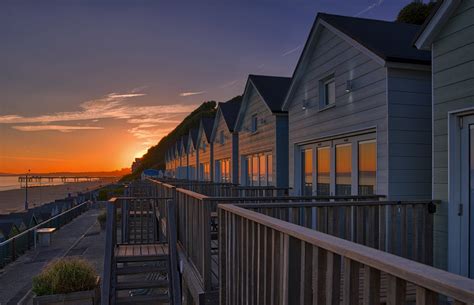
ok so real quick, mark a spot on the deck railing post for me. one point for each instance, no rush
(110, 240)
(206, 246)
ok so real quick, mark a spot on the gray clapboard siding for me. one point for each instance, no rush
(453, 83)
(409, 160)
(228, 150)
(204, 156)
(271, 136)
(363, 108)
(256, 142)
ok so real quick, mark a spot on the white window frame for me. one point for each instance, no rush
(354, 141)
(323, 92)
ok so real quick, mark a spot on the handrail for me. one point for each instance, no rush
(436, 280)
(330, 203)
(193, 194)
(41, 224)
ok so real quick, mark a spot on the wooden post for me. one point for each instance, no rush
(173, 253)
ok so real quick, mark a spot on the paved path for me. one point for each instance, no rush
(81, 237)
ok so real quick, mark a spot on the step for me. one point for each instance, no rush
(147, 258)
(143, 299)
(140, 269)
(141, 284)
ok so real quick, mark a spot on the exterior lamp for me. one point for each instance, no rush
(349, 86)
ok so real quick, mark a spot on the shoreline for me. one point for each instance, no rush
(14, 200)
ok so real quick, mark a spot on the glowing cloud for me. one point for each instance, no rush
(191, 93)
(60, 128)
(368, 8)
(291, 51)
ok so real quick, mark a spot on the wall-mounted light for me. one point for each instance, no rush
(348, 85)
(305, 104)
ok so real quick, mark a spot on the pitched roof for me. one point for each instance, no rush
(273, 89)
(392, 41)
(194, 134)
(437, 19)
(207, 124)
(230, 110)
(6, 228)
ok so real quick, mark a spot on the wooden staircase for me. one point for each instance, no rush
(142, 274)
(143, 267)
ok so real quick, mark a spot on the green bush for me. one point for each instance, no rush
(102, 217)
(103, 195)
(65, 276)
(415, 12)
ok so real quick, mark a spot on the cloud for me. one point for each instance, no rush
(34, 158)
(291, 51)
(229, 84)
(60, 128)
(149, 119)
(191, 93)
(112, 106)
(368, 8)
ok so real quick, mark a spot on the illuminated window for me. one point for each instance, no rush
(307, 158)
(343, 169)
(323, 170)
(262, 172)
(255, 170)
(270, 169)
(367, 167)
(259, 169)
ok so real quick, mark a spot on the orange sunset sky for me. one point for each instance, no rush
(90, 85)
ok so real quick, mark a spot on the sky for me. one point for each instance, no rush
(90, 85)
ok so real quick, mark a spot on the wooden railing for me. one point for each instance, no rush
(134, 220)
(14, 247)
(215, 189)
(404, 228)
(265, 260)
(197, 229)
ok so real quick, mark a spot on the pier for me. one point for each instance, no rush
(63, 179)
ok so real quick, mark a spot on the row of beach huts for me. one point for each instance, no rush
(12, 224)
(373, 107)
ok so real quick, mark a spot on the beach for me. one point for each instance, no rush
(14, 200)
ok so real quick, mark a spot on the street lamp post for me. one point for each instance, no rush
(26, 191)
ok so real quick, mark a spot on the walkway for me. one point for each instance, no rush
(81, 237)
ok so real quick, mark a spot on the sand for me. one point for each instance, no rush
(14, 200)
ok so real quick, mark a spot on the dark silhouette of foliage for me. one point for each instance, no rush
(415, 12)
(155, 156)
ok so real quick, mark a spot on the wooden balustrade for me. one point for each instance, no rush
(265, 260)
(404, 228)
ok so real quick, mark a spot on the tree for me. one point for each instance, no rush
(415, 12)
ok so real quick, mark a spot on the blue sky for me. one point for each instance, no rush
(57, 55)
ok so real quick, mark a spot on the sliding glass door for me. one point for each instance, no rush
(343, 166)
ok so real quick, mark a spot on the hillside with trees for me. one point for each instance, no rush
(155, 156)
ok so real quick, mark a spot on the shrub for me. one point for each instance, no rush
(102, 217)
(65, 276)
(415, 12)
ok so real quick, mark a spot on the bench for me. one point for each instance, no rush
(44, 236)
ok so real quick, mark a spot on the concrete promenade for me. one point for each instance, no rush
(81, 237)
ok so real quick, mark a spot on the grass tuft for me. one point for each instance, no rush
(65, 275)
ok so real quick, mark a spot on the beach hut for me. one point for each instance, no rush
(359, 107)
(225, 140)
(449, 34)
(263, 132)
(192, 153)
(205, 150)
(8, 230)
